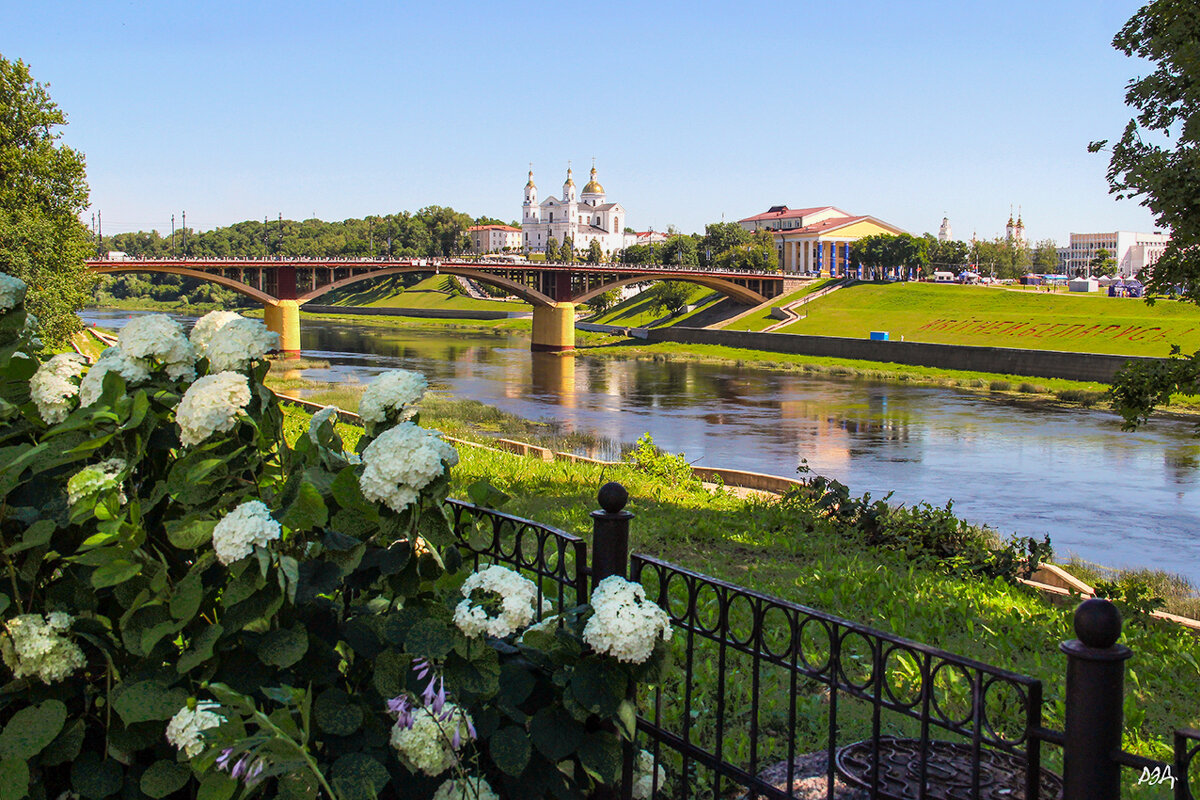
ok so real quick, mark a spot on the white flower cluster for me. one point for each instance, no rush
(517, 596)
(624, 623)
(211, 405)
(247, 526)
(644, 777)
(158, 337)
(133, 370)
(398, 390)
(185, 730)
(206, 326)
(239, 343)
(428, 744)
(55, 384)
(96, 478)
(319, 419)
(12, 292)
(402, 462)
(465, 789)
(34, 645)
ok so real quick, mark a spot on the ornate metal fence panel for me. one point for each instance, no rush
(762, 682)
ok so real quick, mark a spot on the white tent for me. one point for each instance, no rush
(1083, 285)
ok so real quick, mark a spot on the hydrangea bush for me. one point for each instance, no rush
(192, 607)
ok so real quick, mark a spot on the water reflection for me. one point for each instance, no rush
(1112, 497)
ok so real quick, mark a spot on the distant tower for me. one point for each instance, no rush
(1019, 235)
(944, 233)
(569, 189)
(593, 192)
(531, 207)
(1010, 232)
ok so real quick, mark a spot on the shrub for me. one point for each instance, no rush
(999, 386)
(1083, 397)
(1029, 388)
(185, 618)
(671, 468)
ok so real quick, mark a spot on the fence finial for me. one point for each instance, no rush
(610, 533)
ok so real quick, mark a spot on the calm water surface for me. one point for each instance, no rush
(1123, 499)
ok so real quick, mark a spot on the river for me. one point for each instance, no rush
(1111, 497)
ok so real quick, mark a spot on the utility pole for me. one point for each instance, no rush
(172, 236)
(279, 245)
(100, 235)
(371, 235)
(185, 234)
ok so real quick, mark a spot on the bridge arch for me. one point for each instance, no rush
(213, 277)
(526, 293)
(728, 288)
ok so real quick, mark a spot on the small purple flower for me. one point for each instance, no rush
(456, 739)
(403, 709)
(439, 699)
(223, 759)
(421, 666)
(240, 768)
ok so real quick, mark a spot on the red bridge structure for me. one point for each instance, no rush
(283, 285)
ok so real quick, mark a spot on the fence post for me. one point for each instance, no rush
(1095, 696)
(610, 556)
(610, 534)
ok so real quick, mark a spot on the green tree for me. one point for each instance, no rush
(552, 249)
(1102, 263)
(604, 301)
(671, 295)
(43, 189)
(567, 251)
(721, 237)
(1045, 257)
(1157, 157)
(760, 253)
(595, 253)
(681, 251)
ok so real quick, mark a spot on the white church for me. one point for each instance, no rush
(583, 219)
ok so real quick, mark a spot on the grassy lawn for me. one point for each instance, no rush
(789, 550)
(762, 319)
(637, 311)
(976, 315)
(436, 291)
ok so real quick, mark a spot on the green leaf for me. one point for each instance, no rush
(31, 729)
(66, 746)
(296, 785)
(484, 495)
(14, 779)
(190, 535)
(199, 471)
(516, 683)
(283, 647)
(357, 776)
(509, 748)
(555, 733)
(598, 688)
(35, 535)
(145, 701)
(429, 638)
(347, 492)
(627, 719)
(216, 786)
(185, 600)
(114, 572)
(164, 777)
(95, 778)
(600, 755)
(307, 511)
(335, 714)
(387, 673)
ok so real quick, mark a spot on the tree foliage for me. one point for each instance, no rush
(760, 253)
(721, 237)
(680, 250)
(595, 253)
(670, 295)
(43, 189)
(1157, 157)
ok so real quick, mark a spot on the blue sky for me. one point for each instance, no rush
(693, 111)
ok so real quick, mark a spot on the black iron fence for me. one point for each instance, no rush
(771, 699)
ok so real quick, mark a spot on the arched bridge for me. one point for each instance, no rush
(283, 285)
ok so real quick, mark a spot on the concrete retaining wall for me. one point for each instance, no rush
(423, 313)
(1001, 360)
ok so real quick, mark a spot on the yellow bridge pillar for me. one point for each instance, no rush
(553, 328)
(284, 318)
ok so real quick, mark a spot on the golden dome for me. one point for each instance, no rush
(530, 185)
(570, 181)
(593, 186)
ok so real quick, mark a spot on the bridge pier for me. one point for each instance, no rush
(283, 318)
(553, 328)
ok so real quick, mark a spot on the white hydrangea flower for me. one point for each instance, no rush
(644, 776)
(517, 597)
(33, 645)
(12, 292)
(241, 530)
(211, 405)
(208, 325)
(428, 744)
(238, 343)
(158, 337)
(401, 462)
(624, 623)
(95, 478)
(470, 788)
(185, 730)
(398, 390)
(55, 385)
(133, 370)
(319, 419)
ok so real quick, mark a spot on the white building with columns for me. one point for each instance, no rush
(816, 240)
(584, 218)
